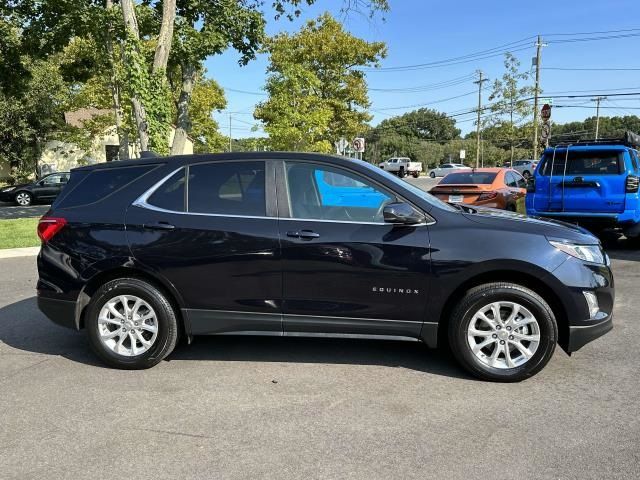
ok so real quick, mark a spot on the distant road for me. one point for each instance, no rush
(10, 210)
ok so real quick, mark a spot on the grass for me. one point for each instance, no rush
(18, 233)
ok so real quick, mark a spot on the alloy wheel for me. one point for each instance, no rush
(127, 325)
(503, 335)
(23, 199)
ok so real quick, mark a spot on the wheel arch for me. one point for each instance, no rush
(517, 277)
(106, 275)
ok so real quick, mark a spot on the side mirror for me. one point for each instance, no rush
(402, 214)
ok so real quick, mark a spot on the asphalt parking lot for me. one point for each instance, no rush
(247, 408)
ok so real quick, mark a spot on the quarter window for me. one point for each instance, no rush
(326, 193)
(227, 188)
(170, 195)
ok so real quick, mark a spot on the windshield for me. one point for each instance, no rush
(412, 188)
(471, 178)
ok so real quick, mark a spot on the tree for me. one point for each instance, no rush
(316, 95)
(511, 107)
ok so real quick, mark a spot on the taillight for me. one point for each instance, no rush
(487, 196)
(633, 183)
(48, 227)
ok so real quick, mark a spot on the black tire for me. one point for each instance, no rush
(401, 172)
(28, 199)
(512, 208)
(483, 295)
(167, 324)
(415, 174)
(526, 174)
(432, 174)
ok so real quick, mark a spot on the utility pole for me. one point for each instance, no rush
(598, 100)
(229, 131)
(480, 81)
(539, 46)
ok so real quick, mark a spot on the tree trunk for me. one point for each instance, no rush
(183, 123)
(123, 140)
(140, 115)
(165, 37)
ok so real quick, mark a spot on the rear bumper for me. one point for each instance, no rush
(61, 312)
(579, 336)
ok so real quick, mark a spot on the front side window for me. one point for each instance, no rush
(227, 188)
(53, 180)
(510, 180)
(326, 193)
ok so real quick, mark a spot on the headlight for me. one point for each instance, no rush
(9, 189)
(588, 253)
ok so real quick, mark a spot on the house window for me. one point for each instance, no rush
(112, 152)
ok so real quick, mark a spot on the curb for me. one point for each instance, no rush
(19, 252)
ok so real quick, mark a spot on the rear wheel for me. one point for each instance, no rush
(503, 332)
(432, 174)
(24, 199)
(131, 324)
(415, 174)
(401, 172)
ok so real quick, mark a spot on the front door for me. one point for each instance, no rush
(344, 269)
(50, 187)
(210, 232)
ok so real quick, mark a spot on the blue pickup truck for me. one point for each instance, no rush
(592, 183)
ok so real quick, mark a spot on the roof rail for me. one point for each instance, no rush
(629, 139)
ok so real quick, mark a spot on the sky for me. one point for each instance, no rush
(426, 31)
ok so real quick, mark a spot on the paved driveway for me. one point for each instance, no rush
(11, 210)
(285, 408)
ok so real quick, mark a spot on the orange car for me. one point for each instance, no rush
(484, 187)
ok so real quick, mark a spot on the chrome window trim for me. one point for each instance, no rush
(142, 202)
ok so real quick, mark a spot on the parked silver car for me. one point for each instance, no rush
(446, 168)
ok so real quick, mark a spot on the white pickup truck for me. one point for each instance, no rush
(402, 166)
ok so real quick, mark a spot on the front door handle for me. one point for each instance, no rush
(303, 234)
(159, 226)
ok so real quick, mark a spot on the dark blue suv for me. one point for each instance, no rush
(594, 184)
(273, 243)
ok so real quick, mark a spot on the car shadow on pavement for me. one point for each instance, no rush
(24, 328)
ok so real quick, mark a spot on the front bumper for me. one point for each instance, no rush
(576, 277)
(579, 336)
(7, 196)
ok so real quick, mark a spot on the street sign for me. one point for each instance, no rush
(545, 113)
(463, 154)
(341, 146)
(358, 145)
(546, 130)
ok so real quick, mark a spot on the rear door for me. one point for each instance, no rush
(210, 230)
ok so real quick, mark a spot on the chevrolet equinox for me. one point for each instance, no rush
(141, 252)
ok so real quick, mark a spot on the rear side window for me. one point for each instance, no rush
(230, 188)
(170, 195)
(99, 184)
(583, 163)
(471, 178)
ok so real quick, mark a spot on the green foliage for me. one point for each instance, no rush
(207, 96)
(315, 94)
(510, 106)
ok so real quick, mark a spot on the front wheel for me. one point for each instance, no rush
(401, 172)
(503, 332)
(24, 199)
(131, 324)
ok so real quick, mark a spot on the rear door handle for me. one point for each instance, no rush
(303, 234)
(159, 226)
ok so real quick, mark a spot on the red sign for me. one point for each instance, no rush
(545, 113)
